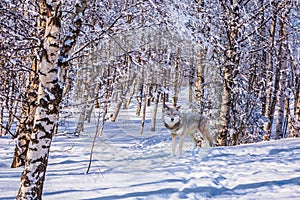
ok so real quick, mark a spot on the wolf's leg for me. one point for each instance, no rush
(181, 141)
(205, 133)
(173, 143)
(197, 139)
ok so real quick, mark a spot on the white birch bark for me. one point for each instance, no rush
(3, 80)
(269, 111)
(224, 111)
(177, 77)
(230, 63)
(297, 114)
(144, 106)
(200, 80)
(49, 96)
(45, 118)
(155, 108)
(283, 67)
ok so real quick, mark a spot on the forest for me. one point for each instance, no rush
(238, 59)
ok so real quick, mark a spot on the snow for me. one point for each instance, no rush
(68, 42)
(127, 165)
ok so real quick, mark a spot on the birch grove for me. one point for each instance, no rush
(239, 61)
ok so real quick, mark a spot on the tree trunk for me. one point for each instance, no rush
(25, 125)
(155, 108)
(192, 70)
(164, 96)
(200, 80)
(140, 91)
(263, 59)
(230, 63)
(280, 116)
(290, 119)
(80, 125)
(49, 96)
(283, 35)
(269, 111)
(131, 94)
(45, 119)
(176, 79)
(297, 110)
(11, 104)
(122, 97)
(225, 109)
(2, 88)
(144, 109)
(1, 116)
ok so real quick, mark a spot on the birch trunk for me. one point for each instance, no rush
(269, 112)
(80, 125)
(49, 96)
(155, 108)
(296, 95)
(131, 94)
(225, 109)
(297, 112)
(230, 63)
(140, 91)
(46, 115)
(107, 95)
(11, 104)
(2, 88)
(263, 58)
(290, 119)
(280, 118)
(107, 75)
(144, 109)
(200, 80)
(164, 96)
(87, 102)
(191, 77)
(283, 35)
(122, 97)
(25, 125)
(1, 116)
(176, 79)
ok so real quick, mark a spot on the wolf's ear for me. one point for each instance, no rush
(166, 107)
(178, 107)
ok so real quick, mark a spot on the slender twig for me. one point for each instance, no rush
(93, 145)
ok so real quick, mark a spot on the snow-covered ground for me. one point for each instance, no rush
(127, 165)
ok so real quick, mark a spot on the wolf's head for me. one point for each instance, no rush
(172, 117)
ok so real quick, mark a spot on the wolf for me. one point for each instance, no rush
(186, 123)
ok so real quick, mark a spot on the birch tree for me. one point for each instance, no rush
(231, 61)
(271, 87)
(52, 69)
(284, 71)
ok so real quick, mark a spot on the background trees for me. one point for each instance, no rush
(249, 41)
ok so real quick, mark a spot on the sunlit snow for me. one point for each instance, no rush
(127, 165)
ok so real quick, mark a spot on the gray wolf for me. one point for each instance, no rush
(183, 124)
